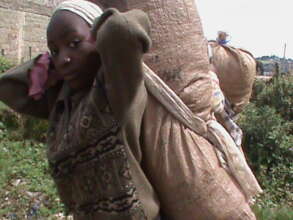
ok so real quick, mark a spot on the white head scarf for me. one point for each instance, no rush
(85, 9)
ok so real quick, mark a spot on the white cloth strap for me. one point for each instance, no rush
(173, 103)
(210, 51)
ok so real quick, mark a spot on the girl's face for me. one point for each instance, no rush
(73, 52)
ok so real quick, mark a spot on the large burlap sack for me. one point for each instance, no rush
(236, 69)
(185, 171)
(177, 158)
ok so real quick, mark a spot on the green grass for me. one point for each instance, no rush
(2, 106)
(25, 183)
(24, 180)
(277, 213)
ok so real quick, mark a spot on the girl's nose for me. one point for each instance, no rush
(67, 60)
(63, 60)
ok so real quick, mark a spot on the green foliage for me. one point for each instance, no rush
(24, 179)
(268, 128)
(4, 64)
(34, 128)
(279, 213)
(22, 126)
(279, 95)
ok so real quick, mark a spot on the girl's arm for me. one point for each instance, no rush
(122, 39)
(14, 86)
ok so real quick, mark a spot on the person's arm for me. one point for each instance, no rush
(14, 86)
(121, 40)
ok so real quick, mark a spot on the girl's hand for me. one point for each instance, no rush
(113, 28)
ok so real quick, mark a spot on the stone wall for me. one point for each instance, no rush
(23, 28)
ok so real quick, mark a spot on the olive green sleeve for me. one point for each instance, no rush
(14, 85)
(122, 39)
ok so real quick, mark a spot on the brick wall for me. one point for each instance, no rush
(10, 30)
(23, 27)
(34, 35)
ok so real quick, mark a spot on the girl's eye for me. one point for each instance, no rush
(74, 43)
(54, 53)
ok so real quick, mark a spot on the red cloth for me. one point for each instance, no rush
(42, 76)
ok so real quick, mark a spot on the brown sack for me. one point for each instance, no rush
(186, 173)
(236, 69)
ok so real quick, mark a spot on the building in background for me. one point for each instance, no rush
(23, 28)
(269, 64)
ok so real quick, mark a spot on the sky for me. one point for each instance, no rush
(261, 26)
